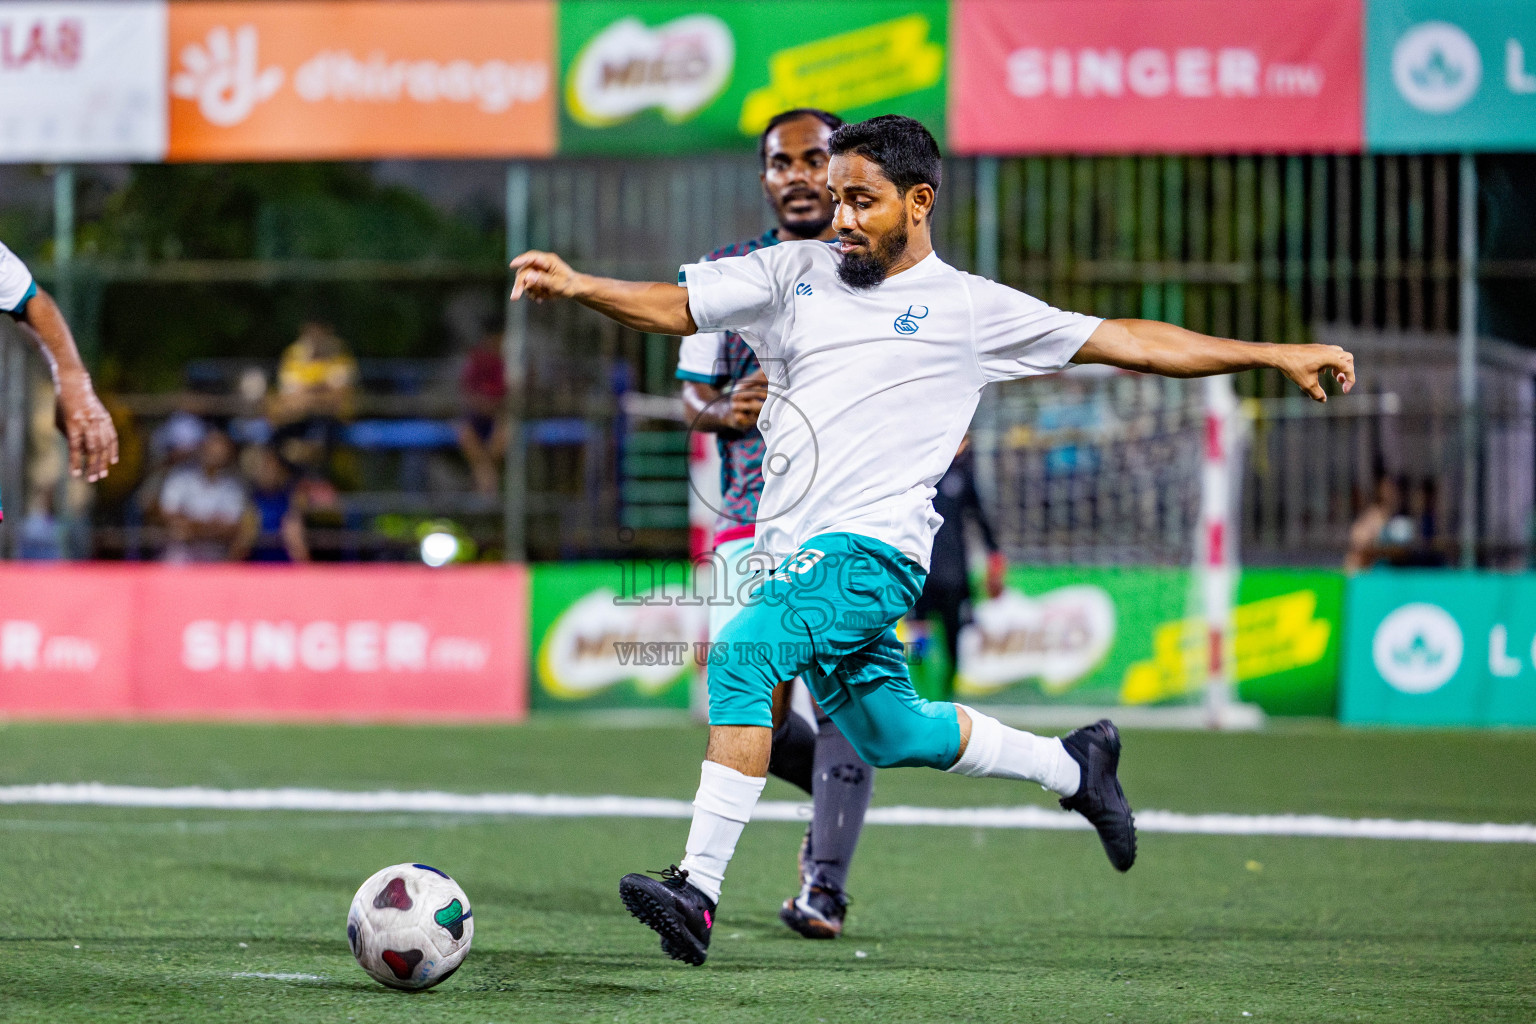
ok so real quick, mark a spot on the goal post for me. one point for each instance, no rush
(1116, 497)
(1217, 567)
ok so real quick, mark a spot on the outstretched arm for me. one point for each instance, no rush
(81, 416)
(1154, 347)
(643, 305)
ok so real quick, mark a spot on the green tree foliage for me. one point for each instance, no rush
(290, 218)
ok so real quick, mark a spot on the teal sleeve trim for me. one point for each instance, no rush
(21, 307)
(698, 378)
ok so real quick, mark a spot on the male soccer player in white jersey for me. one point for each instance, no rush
(81, 416)
(718, 371)
(877, 352)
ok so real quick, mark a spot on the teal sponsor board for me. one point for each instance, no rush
(1440, 648)
(1444, 76)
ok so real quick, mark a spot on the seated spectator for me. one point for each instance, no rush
(483, 432)
(203, 504)
(316, 393)
(273, 528)
(1385, 533)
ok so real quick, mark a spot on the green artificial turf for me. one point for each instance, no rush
(176, 914)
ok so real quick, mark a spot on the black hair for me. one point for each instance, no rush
(904, 149)
(830, 120)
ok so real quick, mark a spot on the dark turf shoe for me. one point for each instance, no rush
(803, 860)
(1096, 749)
(817, 913)
(673, 909)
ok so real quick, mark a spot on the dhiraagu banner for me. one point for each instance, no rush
(610, 635)
(672, 77)
(1108, 636)
(1443, 76)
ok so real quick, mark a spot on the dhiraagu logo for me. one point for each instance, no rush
(1436, 67)
(1417, 648)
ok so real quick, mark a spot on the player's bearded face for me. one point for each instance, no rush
(866, 267)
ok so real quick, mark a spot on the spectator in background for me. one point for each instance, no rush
(316, 394)
(1397, 528)
(203, 504)
(483, 432)
(947, 587)
(273, 527)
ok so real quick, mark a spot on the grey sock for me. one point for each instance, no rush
(794, 751)
(843, 786)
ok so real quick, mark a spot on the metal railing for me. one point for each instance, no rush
(1269, 248)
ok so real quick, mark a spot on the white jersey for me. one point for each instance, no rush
(16, 284)
(870, 392)
(699, 358)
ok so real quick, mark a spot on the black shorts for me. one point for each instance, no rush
(938, 595)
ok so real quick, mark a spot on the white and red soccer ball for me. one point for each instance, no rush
(410, 926)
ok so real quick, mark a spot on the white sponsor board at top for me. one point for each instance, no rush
(82, 81)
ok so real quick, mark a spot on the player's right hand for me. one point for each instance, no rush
(87, 425)
(1306, 364)
(542, 275)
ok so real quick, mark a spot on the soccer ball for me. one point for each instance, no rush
(410, 926)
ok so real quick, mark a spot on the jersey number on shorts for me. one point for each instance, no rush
(800, 562)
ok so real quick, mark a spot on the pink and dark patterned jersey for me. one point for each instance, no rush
(741, 458)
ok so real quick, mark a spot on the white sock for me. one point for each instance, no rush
(721, 809)
(998, 752)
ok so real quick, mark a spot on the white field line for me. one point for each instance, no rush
(97, 794)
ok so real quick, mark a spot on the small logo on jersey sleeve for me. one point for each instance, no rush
(803, 289)
(907, 323)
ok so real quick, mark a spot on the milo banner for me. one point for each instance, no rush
(609, 635)
(1447, 76)
(676, 77)
(1440, 648)
(1122, 636)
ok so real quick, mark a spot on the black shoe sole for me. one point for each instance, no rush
(676, 940)
(807, 926)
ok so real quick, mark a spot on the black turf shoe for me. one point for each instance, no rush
(1096, 749)
(803, 860)
(673, 909)
(817, 913)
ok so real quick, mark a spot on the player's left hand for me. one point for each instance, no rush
(86, 424)
(542, 275)
(1305, 364)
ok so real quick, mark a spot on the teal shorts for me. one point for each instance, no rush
(828, 613)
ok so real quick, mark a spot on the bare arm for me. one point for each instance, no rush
(643, 305)
(82, 418)
(1154, 347)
